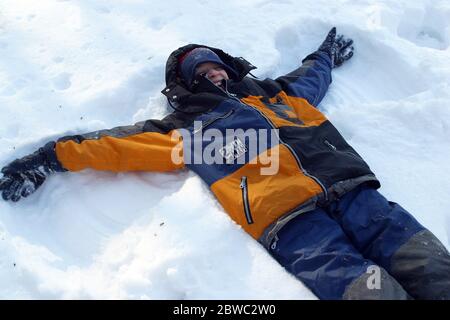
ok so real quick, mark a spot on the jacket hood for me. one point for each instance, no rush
(177, 90)
(198, 56)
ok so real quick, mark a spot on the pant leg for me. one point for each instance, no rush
(387, 234)
(314, 249)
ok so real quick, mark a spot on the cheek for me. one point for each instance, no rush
(224, 74)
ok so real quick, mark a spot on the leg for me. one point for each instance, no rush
(387, 234)
(314, 249)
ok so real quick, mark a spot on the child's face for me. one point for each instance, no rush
(213, 72)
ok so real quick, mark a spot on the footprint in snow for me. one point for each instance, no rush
(58, 59)
(62, 81)
(429, 27)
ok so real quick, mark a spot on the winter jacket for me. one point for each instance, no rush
(315, 166)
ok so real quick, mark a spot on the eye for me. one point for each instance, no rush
(200, 74)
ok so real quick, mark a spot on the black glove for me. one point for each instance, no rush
(339, 49)
(15, 186)
(23, 176)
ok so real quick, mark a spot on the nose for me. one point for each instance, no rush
(212, 73)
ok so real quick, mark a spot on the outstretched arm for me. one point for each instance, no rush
(145, 146)
(311, 80)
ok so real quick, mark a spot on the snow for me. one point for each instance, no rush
(79, 66)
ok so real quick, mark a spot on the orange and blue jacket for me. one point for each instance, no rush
(315, 165)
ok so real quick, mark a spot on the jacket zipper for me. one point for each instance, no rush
(331, 146)
(207, 123)
(334, 148)
(281, 141)
(244, 188)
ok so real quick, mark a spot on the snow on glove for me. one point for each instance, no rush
(21, 185)
(23, 176)
(339, 48)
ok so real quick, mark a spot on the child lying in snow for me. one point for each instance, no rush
(317, 211)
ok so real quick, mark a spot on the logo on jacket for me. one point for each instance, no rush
(233, 150)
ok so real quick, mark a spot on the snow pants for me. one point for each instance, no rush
(364, 247)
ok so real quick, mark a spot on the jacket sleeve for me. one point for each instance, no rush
(311, 80)
(145, 146)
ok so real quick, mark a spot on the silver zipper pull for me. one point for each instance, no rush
(330, 145)
(273, 246)
(243, 182)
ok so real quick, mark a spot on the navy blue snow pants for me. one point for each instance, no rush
(364, 247)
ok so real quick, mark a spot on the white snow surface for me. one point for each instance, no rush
(78, 66)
